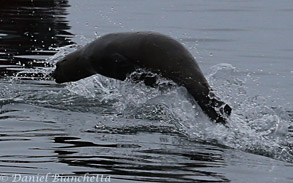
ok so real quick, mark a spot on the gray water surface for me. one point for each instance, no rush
(133, 133)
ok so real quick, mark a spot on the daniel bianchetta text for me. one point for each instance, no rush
(50, 177)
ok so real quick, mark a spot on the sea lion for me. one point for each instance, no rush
(117, 55)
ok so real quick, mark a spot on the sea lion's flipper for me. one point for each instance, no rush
(125, 64)
(149, 79)
(214, 107)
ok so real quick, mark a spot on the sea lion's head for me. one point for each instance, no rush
(70, 68)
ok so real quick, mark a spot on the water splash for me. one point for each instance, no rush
(254, 125)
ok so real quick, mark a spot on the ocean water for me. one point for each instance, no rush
(119, 131)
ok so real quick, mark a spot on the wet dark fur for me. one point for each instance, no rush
(119, 54)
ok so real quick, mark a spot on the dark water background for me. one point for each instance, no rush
(138, 134)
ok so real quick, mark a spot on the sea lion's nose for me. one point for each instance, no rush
(57, 65)
(52, 74)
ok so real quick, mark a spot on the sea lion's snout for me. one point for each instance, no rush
(55, 74)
